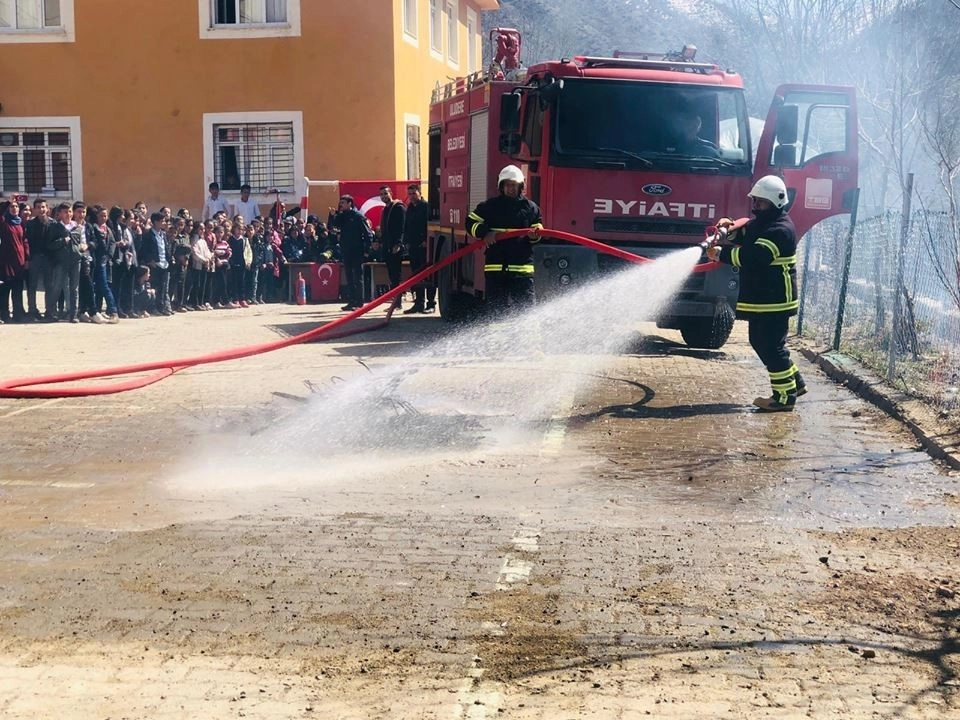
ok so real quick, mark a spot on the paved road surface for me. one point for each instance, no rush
(558, 536)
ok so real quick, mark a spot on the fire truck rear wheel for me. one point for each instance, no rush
(708, 333)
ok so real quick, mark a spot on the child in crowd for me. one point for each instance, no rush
(144, 296)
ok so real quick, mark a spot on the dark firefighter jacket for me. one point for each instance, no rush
(766, 253)
(503, 213)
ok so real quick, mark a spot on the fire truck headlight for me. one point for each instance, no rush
(563, 263)
(565, 279)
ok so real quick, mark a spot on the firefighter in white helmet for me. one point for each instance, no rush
(508, 267)
(765, 250)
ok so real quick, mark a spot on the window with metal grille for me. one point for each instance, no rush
(249, 12)
(259, 154)
(36, 161)
(29, 14)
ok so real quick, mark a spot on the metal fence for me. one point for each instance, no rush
(914, 340)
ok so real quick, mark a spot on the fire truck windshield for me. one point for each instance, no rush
(642, 125)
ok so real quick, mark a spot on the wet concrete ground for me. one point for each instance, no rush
(650, 548)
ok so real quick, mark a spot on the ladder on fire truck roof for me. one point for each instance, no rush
(674, 65)
(458, 86)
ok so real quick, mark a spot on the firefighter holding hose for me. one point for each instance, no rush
(508, 268)
(765, 250)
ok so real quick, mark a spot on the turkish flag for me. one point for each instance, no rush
(366, 195)
(325, 283)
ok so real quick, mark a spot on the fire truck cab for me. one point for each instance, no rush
(641, 151)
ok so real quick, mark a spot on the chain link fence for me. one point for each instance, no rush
(913, 341)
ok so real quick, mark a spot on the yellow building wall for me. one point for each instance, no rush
(419, 70)
(140, 78)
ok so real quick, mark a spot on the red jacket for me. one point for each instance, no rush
(14, 251)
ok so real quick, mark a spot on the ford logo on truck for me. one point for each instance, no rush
(656, 189)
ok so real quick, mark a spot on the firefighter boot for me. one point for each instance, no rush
(772, 404)
(784, 392)
(801, 385)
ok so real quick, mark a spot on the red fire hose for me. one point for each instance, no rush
(29, 387)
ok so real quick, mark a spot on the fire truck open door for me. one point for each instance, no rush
(810, 139)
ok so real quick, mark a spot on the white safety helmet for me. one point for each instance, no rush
(772, 188)
(510, 172)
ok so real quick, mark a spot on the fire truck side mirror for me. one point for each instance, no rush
(510, 113)
(787, 123)
(549, 92)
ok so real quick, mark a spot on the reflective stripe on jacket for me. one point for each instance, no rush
(504, 213)
(766, 253)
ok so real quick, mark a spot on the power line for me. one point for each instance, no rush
(955, 3)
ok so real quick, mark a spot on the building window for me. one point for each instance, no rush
(250, 12)
(453, 31)
(410, 18)
(413, 152)
(36, 161)
(36, 21)
(472, 42)
(224, 19)
(260, 154)
(436, 28)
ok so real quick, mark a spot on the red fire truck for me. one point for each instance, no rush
(604, 145)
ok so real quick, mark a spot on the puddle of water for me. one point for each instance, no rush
(805, 470)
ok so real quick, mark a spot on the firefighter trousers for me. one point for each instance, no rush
(509, 291)
(768, 338)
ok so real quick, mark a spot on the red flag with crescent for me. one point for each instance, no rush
(366, 195)
(325, 283)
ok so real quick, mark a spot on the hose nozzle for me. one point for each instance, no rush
(714, 236)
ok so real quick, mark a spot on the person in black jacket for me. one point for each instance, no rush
(124, 260)
(60, 259)
(508, 270)
(415, 238)
(35, 233)
(391, 236)
(765, 250)
(154, 252)
(355, 238)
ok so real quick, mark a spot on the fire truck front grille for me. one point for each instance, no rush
(683, 228)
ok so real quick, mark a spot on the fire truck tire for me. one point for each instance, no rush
(708, 333)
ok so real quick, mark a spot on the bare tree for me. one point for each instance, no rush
(940, 121)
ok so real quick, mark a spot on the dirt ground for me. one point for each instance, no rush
(214, 546)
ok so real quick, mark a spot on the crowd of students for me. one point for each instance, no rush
(102, 265)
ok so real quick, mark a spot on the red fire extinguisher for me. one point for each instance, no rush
(301, 289)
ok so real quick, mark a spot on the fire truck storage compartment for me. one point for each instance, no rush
(479, 140)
